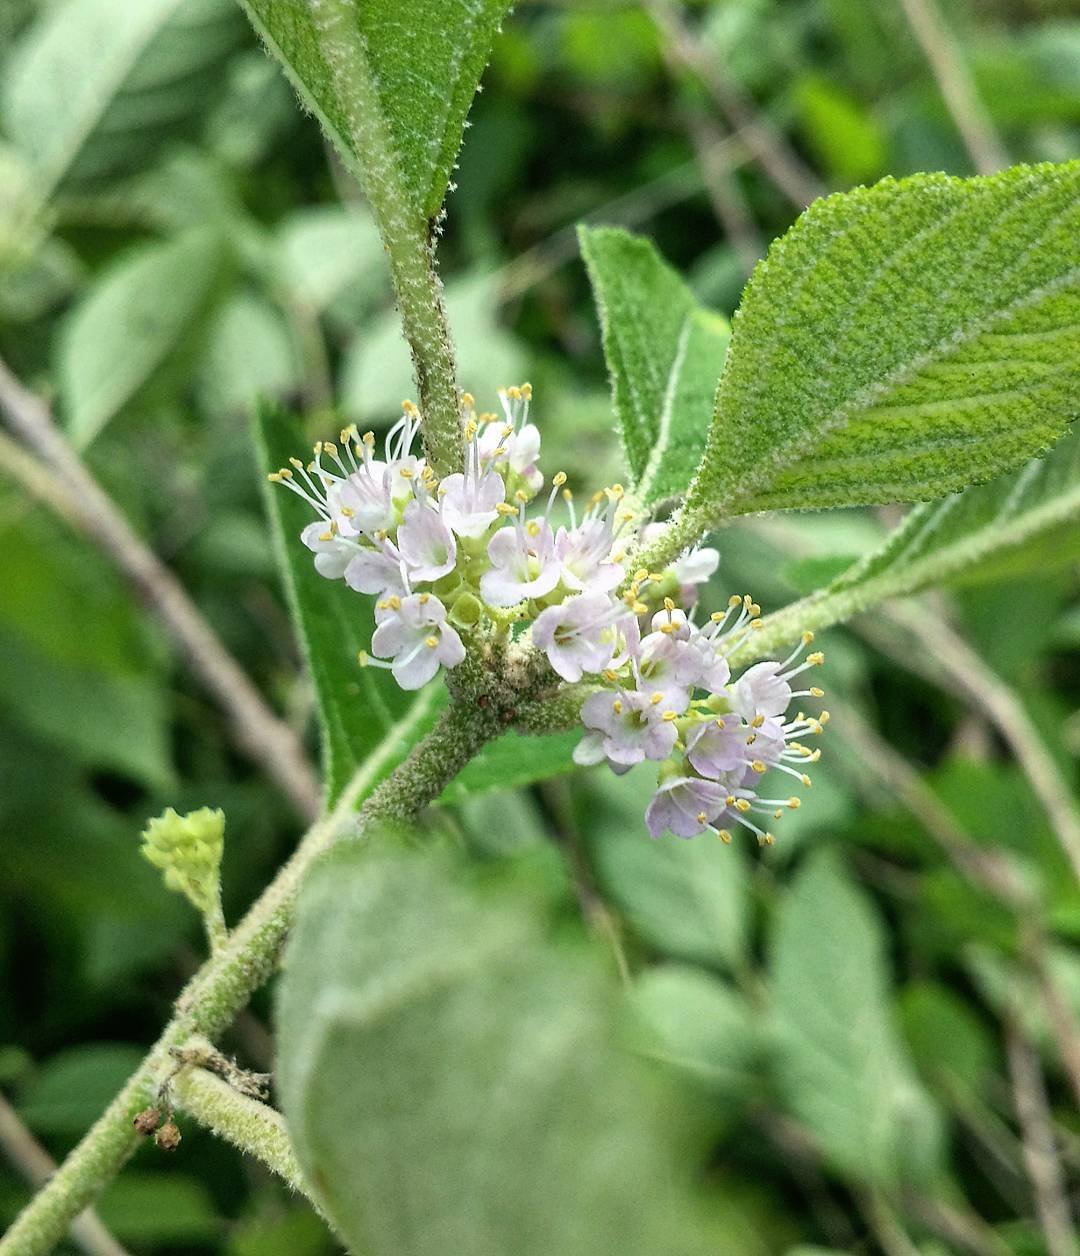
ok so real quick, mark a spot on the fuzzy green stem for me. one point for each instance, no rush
(253, 1127)
(405, 231)
(227, 980)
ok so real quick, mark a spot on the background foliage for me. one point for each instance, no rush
(851, 1009)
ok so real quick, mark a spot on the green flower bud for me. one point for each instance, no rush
(466, 611)
(188, 851)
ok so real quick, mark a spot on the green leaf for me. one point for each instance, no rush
(424, 70)
(839, 1061)
(513, 760)
(689, 900)
(249, 357)
(138, 315)
(1017, 524)
(97, 692)
(901, 342)
(95, 85)
(664, 353)
(68, 1093)
(701, 1027)
(160, 1209)
(321, 251)
(359, 707)
(453, 1078)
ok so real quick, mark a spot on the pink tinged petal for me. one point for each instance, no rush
(590, 749)
(426, 543)
(760, 690)
(697, 566)
(331, 557)
(415, 672)
(450, 651)
(713, 750)
(391, 637)
(372, 572)
(596, 710)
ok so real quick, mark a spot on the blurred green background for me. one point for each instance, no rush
(176, 240)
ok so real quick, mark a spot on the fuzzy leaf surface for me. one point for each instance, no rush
(425, 63)
(495, 1108)
(664, 353)
(901, 342)
(839, 1060)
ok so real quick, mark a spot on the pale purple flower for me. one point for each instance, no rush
(761, 690)
(467, 501)
(579, 635)
(426, 543)
(333, 553)
(376, 571)
(668, 666)
(523, 564)
(717, 748)
(584, 555)
(686, 805)
(627, 727)
(694, 568)
(413, 632)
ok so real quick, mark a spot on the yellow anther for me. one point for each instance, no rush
(286, 474)
(431, 642)
(794, 803)
(639, 608)
(363, 658)
(734, 600)
(757, 721)
(724, 835)
(701, 817)
(758, 766)
(815, 660)
(295, 462)
(326, 536)
(394, 602)
(505, 509)
(521, 495)
(425, 598)
(768, 840)
(824, 717)
(275, 477)
(616, 491)
(751, 739)
(807, 637)
(641, 575)
(559, 479)
(754, 609)
(532, 528)
(668, 628)
(729, 801)
(777, 815)
(720, 721)
(656, 699)
(741, 804)
(616, 706)
(526, 391)
(368, 438)
(815, 692)
(669, 605)
(609, 675)
(717, 616)
(348, 512)
(405, 473)
(757, 623)
(468, 400)
(330, 448)
(514, 393)
(806, 780)
(318, 447)
(567, 496)
(669, 717)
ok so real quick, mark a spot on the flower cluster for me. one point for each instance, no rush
(464, 555)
